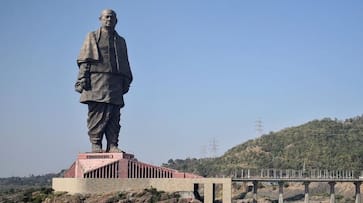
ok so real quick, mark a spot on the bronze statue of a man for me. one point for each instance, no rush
(104, 77)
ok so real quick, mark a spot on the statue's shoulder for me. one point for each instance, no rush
(119, 36)
(93, 34)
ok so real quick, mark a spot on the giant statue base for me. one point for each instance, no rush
(99, 173)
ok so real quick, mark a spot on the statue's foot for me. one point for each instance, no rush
(114, 149)
(96, 148)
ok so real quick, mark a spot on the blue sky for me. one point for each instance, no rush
(204, 70)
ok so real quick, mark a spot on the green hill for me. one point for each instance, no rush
(318, 144)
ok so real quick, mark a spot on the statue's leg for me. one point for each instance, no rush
(113, 129)
(96, 122)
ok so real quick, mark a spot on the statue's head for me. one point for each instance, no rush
(108, 19)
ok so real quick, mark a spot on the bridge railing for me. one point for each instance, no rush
(296, 174)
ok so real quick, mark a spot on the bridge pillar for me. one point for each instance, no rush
(357, 191)
(306, 184)
(255, 185)
(209, 192)
(332, 192)
(281, 191)
(227, 192)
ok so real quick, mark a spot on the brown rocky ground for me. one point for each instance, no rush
(46, 195)
(267, 193)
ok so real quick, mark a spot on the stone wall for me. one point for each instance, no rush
(99, 185)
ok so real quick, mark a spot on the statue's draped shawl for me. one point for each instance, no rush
(108, 85)
(89, 50)
(89, 53)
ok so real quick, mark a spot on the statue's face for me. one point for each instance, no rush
(108, 19)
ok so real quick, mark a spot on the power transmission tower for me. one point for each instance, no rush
(214, 147)
(259, 127)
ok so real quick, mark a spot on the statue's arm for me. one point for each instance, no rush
(83, 79)
(127, 79)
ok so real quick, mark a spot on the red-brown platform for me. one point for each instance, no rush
(119, 165)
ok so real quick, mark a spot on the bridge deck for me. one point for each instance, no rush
(296, 180)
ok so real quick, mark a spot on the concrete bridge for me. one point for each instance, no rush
(306, 177)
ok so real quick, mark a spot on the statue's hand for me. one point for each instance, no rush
(86, 82)
(83, 84)
(78, 87)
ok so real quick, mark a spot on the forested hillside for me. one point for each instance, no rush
(318, 144)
